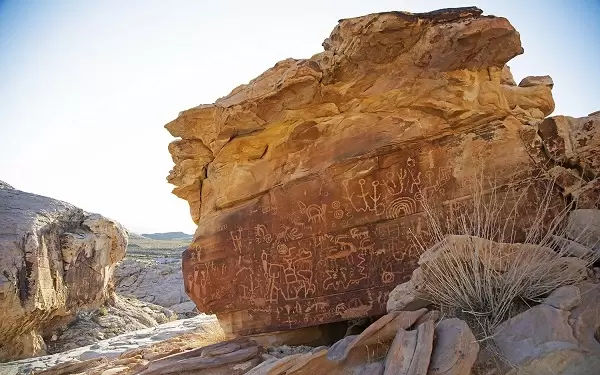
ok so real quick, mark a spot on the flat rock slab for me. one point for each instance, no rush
(110, 348)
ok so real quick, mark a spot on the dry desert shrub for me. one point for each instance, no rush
(491, 257)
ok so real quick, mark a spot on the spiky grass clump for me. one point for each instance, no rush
(490, 257)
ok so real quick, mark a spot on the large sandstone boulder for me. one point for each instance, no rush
(308, 183)
(55, 259)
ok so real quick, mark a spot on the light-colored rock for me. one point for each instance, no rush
(573, 142)
(184, 309)
(382, 330)
(423, 349)
(537, 81)
(571, 248)
(233, 357)
(455, 349)
(564, 298)
(408, 295)
(462, 247)
(157, 281)
(560, 362)
(155, 342)
(533, 333)
(585, 318)
(401, 352)
(374, 368)
(584, 227)
(356, 354)
(119, 315)
(55, 260)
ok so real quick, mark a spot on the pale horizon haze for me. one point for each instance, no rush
(87, 86)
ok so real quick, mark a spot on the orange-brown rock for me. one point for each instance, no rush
(308, 182)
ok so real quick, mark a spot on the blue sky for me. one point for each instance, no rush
(86, 86)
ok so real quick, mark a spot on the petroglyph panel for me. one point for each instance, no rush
(320, 249)
(328, 247)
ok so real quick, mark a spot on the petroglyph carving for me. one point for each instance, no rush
(314, 213)
(401, 206)
(369, 199)
(262, 234)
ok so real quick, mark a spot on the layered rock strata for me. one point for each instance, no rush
(55, 259)
(308, 183)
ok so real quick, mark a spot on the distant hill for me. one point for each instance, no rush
(169, 236)
(157, 245)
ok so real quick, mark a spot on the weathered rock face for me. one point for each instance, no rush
(308, 183)
(119, 315)
(574, 145)
(156, 281)
(54, 260)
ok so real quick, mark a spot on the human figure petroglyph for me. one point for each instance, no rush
(292, 276)
(244, 282)
(236, 239)
(310, 249)
(395, 181)
(368, 200)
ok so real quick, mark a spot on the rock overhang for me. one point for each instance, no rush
(306, 181)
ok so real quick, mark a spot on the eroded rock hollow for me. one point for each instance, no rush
(308, 183)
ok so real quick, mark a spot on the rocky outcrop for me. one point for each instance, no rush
(397, 343)
(308, 183)
(573, 144)
(55, 259)
(157, 281)
(119, 315)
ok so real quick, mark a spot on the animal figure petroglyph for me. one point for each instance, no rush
(314, 213)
